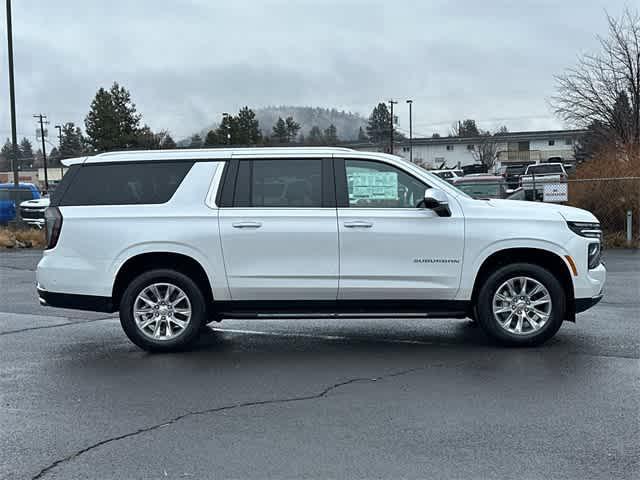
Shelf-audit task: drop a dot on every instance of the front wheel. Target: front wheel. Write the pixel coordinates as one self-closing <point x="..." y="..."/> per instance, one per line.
<point x="163" y="310"/>
<point x="521" y="305"/>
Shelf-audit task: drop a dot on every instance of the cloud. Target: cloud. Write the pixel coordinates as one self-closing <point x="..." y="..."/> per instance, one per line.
<point x="187" y="62"/>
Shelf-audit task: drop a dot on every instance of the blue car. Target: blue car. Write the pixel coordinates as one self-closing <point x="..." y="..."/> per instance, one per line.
<point x="27" y="191"/>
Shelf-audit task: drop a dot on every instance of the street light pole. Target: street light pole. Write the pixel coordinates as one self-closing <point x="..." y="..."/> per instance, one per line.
<point x="12" y="101"/>
<point x="392" y="102"/>
<point x="228" y="117"/>
<point x="410" y="102"/>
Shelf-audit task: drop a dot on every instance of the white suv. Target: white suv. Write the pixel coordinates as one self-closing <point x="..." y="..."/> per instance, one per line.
<point x="175" y="239"/>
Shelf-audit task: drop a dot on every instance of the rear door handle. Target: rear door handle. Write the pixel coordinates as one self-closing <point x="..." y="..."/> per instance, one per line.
<point x="247" y="225"/>
<point x="358" y="224"/>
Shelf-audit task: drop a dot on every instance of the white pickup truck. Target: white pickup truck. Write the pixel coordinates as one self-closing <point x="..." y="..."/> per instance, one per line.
<point x="536" y="175"/>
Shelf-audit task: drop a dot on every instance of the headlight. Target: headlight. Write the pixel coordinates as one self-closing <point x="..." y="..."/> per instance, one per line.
<point x="586" y="229"/>
<point x="593" y="255"/>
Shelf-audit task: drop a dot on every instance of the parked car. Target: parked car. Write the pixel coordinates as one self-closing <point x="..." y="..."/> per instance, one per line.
<point x="474" y="168"/>
<point x="32" y="211"/>
<point x="448" y="175"/>
<point x="174" y="239"/>
<point x="482" y="186"/>
<point x="512" y="174"/>
<point x="26" y="191"/>
<point x="535" y="176"/>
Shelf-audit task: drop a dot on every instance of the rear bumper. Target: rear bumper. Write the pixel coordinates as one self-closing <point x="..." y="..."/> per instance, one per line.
<point x="583" y="304"/>
<point x="75" y="302"/>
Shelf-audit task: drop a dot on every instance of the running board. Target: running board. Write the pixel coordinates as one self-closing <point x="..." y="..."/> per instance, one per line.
<point x="302" y="309"/>
<point x="304" y="316"/>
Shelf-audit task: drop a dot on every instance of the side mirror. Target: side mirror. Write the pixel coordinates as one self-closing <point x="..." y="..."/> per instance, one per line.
<point x="437" y="200"/>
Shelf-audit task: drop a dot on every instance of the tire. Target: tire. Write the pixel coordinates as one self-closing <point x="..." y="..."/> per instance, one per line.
<point x="163" y="332"/>
<point x="535" y="329"/>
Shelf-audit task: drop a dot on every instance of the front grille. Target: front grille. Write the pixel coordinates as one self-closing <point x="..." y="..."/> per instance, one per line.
<point x="32" y="213"/>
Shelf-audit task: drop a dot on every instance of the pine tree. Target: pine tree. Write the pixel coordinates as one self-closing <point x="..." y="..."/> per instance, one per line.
<point x="6" y="154"/>
<point x="379" y="126"/>
<point x="227" y="131"/>
<point x="112" y="121"/>
<point x="331" y="135"/>
<point x="292" y="129"/>
<point x="247" y="128"/>
<point x="280" y="132"/>
<point x="168" y="143"/>
<point x="26" y="154"/>
<point x="211" y="140"/>
<point x="315" y="136"/>
<point x="196" y="141"/>
<point x="466" y="128"/>
<point x="72" y="142"/>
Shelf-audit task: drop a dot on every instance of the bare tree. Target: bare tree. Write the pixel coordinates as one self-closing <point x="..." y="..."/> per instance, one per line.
<point x="486" y="152"/>
<point x="604" y="88"/>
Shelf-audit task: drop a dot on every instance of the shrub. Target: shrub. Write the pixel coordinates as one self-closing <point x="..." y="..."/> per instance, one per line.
<point x="593" y="189"/>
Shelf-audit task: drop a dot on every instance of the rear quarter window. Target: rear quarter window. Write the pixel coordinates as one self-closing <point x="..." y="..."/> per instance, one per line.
<point x="118" y="183"/>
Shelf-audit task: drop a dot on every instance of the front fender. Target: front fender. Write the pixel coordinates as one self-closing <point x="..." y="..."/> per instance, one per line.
<point x="477" y="257"/>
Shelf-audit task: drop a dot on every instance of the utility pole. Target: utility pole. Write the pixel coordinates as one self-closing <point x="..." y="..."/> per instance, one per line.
<point x="42" y="119"/>
<point x="410" y="102"/>
<point x="12" y="101"/>
<point x="59" y="127"/>
<point x="392" y="102"/>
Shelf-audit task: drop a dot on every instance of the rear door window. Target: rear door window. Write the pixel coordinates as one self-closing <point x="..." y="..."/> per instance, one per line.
<point x="279" y="183"/>
<point x="117" y="183"/>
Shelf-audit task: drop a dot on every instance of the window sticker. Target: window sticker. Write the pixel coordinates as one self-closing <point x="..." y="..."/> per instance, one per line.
<point x="371" y="185"/>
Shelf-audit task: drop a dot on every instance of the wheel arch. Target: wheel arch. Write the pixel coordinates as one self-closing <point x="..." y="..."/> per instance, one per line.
<point x="137" y="264"/>
<point x="537" y="256"/>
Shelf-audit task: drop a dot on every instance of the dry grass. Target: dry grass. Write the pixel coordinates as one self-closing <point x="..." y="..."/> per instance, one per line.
<point x="21" y="238"/>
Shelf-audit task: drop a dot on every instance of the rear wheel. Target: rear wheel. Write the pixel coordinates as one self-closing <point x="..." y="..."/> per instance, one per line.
<point x="163" y="310"/>
<point x="521" y="304"/>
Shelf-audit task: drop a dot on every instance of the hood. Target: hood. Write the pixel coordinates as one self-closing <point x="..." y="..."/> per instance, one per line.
<point x="37" y="203"/>
<point x="570" y="214"/>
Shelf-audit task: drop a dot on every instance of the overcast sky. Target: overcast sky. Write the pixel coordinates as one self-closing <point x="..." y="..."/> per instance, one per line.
<point x="489" y="60"/>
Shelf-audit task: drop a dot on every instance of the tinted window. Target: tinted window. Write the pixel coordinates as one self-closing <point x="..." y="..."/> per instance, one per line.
<point x="279" y="183"/>
<point x="543" y="169"/>
<point x="125" y="183"/>
<point x="379" y="185"/>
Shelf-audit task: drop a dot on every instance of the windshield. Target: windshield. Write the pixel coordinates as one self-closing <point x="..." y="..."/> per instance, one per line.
<point x="544" y="169"/>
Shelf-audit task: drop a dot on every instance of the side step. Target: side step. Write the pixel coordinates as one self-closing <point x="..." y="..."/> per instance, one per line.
<point x="305" y="316"/>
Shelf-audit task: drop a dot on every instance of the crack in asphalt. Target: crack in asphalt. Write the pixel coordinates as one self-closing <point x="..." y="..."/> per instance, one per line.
<point x="42" y="327"/>
<point x="321" y="394"/>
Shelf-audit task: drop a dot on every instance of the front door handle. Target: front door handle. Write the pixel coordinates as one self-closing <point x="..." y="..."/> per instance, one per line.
<point x="247" y="225"/>
<point x="358" y="224"/>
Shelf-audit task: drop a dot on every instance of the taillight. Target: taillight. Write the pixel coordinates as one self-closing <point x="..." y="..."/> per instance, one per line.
<point x="53" y="225"/>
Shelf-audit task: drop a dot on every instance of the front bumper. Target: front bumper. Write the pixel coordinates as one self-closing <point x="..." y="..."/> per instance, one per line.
<point x="583" y="304"/>
<point x="34" y="222"/>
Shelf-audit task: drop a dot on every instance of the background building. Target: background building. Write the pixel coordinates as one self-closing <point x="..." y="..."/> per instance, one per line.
<point x="506" y="148"/>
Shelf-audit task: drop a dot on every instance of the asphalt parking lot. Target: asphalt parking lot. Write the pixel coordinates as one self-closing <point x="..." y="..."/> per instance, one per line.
<point x="318" y="399"/>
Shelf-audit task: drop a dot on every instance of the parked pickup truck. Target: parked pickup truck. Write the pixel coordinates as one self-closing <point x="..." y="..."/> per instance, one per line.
<point x="535" y="176"/>
<point x="175" y="239"/>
